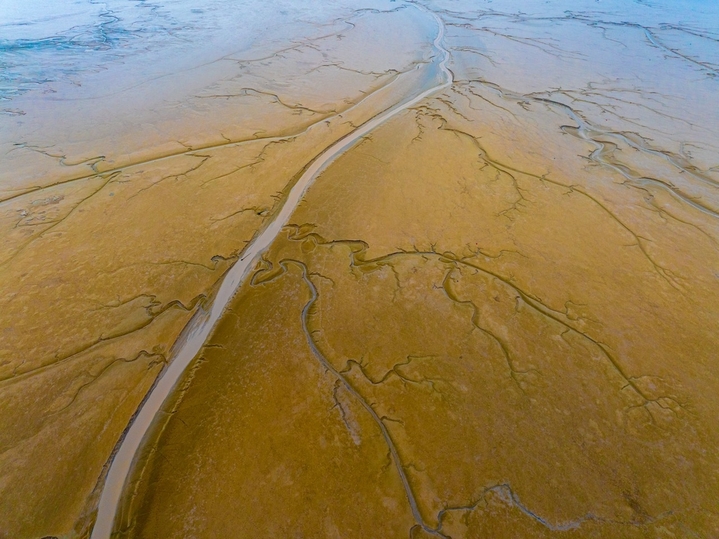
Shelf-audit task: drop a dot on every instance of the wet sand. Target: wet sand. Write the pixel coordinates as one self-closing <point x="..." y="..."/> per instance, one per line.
<point x="493" y="313"/>
<point x="196" y="333"/>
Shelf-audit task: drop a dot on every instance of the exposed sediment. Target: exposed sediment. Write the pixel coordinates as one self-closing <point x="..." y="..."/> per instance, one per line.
<point x="494" y="315"/>
<point x="196" y="333"/>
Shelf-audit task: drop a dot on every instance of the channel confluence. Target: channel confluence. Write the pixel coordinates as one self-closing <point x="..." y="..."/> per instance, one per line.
<point x="201" y="326"/>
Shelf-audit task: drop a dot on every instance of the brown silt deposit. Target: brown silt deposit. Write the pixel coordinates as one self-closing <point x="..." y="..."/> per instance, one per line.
<point x="397" y="269"/>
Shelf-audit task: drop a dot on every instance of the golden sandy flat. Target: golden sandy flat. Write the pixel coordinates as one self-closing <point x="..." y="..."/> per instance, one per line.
<point x="493" y="315"/>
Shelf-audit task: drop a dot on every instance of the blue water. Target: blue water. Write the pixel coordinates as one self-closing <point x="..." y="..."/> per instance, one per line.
<point x="42" y="42"/>
<point x="55" y="41"/>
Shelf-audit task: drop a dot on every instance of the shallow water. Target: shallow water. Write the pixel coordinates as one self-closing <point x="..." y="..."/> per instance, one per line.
<point x="493" y="312"/>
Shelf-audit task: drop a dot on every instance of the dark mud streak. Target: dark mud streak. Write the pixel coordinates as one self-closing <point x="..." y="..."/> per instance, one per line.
<point x="153" y="315"/>
<point x="187" y="150"/>
<point x="504" y="490"/>
<point x="504" y="348"/>
<point x="357" y="260"/>
<point x="203" y="160"/>
<point x="649" y="32"/>
<point x="309" y="43"/>
<point x="196" y="332"/>
<point x="590" y="133"/>
<point x="393" y="371"/>
<point x="375" y="417"/>
<point x="56" y="223"/>
<point x="155" y="358"/>
<point x="663" y="272"/>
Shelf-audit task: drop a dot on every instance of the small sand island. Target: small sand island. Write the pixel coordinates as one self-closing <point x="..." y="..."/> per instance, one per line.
<point x="387" y="269"/>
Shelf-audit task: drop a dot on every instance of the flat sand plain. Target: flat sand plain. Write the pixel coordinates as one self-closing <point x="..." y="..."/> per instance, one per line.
<point x="496" y="315"/>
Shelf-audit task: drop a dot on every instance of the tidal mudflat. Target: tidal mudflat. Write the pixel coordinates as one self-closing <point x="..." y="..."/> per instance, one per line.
<point x="377" y="269"/>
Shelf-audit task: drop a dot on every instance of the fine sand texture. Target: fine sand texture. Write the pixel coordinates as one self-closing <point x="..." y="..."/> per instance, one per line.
<point x="397" y="269"/>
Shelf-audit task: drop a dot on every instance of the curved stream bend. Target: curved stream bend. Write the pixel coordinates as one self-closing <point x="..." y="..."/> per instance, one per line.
<point x="196" y="337"/>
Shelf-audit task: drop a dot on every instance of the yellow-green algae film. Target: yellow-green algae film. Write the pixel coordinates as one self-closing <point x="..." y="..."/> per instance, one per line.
<point x="490" y="310"/>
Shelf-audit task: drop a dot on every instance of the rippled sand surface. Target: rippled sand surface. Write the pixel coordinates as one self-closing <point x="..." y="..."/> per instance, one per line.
<point x="496" y="314"/>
